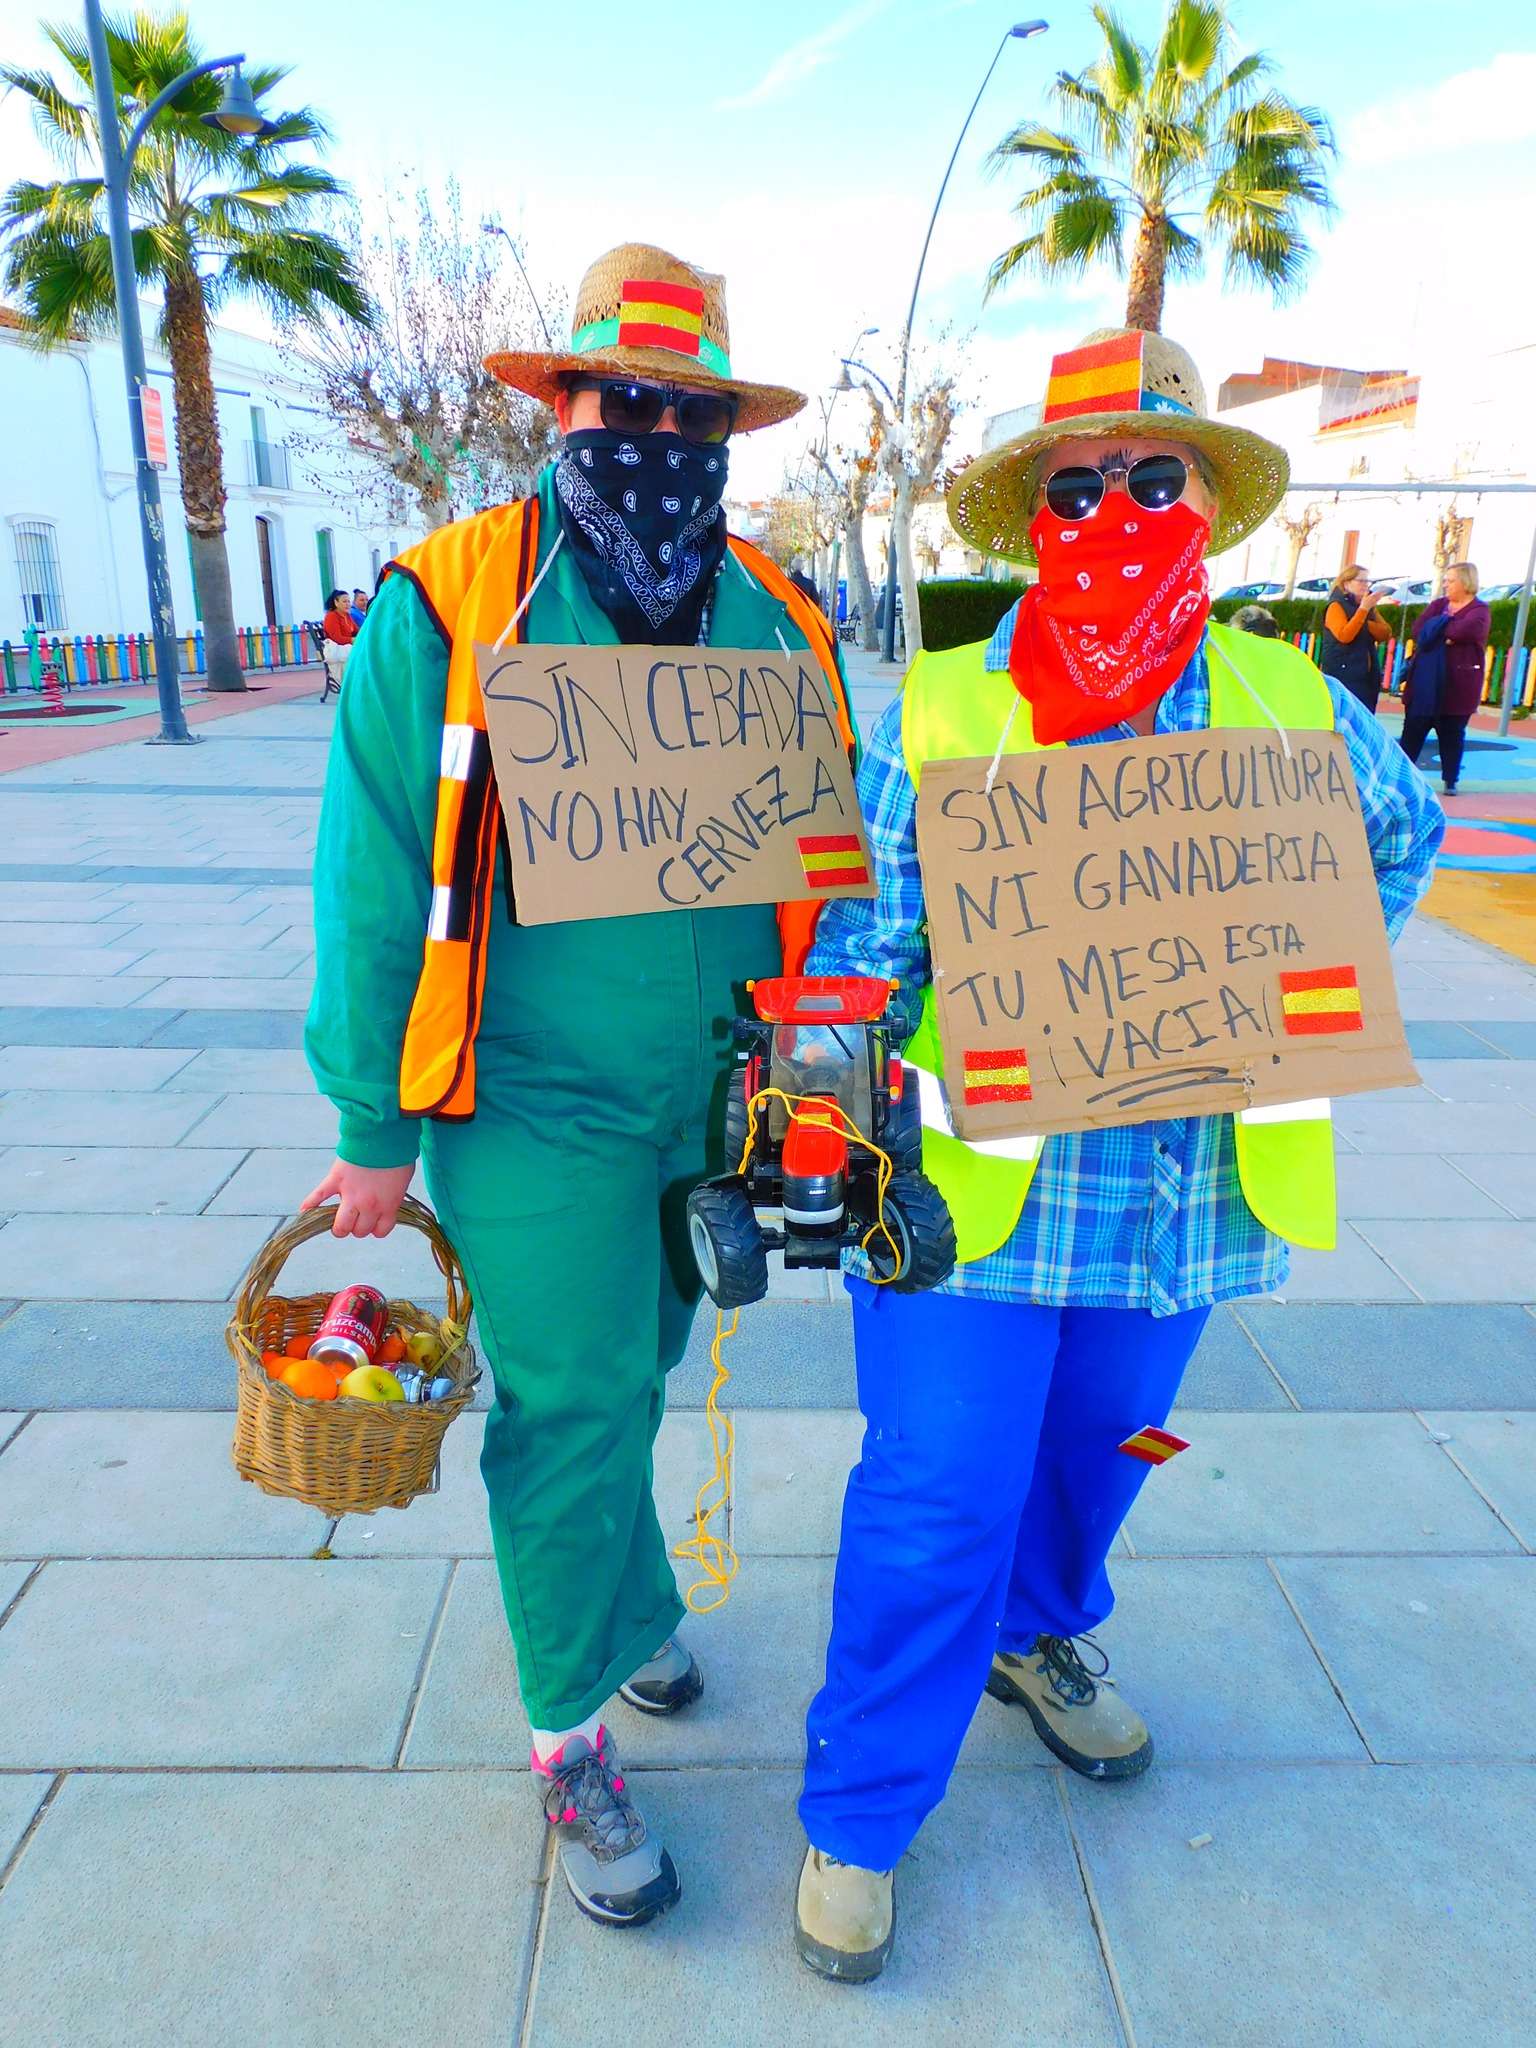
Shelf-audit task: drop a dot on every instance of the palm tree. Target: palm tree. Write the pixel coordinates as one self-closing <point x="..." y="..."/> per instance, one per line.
<point x="1165" y="153"/>
<point x="215" y="217"/>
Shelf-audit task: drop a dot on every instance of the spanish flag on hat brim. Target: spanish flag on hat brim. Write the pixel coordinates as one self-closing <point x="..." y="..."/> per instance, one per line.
<point x="1315" y="1000"/>
<point x="1154" y="1446"/>
<point x="998" y="1076"/>
<point x="833" y="860"/>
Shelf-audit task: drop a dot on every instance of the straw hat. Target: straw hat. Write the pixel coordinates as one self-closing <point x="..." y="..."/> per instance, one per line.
<point x="642" y="313"/>
<point x="1119" y="380"/>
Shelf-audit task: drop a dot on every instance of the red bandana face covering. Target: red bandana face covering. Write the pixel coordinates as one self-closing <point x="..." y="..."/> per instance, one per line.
<point x="1118" y="611"/>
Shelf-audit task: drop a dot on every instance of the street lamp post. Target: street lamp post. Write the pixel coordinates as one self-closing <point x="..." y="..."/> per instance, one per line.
<point x="1021" y="31"/>
<point x="494" y="227"/>
<point x="239" y="114"/>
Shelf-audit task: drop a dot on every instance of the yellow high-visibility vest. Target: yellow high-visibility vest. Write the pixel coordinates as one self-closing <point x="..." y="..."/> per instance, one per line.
<point x="955" y="708"/>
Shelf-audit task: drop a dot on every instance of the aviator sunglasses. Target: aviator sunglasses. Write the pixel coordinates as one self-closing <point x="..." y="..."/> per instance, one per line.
<point x="1154" y="482"/>
<point x="704" y="418"/>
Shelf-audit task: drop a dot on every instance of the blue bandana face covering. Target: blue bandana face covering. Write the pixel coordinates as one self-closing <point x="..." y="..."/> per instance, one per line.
<point x="643" y="518"/>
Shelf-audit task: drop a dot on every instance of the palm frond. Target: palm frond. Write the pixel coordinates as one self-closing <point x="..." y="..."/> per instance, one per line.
<point x="1039" y="144"/>
<point x="297" y="276"/>
<point x="1191" y="42"/>
<point x="1121" y="72"/>
<point x="1079" y="220"/>
<point x="63" y="127"/>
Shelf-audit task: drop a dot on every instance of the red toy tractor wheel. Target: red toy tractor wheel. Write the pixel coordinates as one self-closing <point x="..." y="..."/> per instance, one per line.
<point x="918" y="1218"/>
<point x="727" y="1243"/>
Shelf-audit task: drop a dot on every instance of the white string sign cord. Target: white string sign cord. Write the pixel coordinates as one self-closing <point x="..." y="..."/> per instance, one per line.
<point x="506" y="631"/>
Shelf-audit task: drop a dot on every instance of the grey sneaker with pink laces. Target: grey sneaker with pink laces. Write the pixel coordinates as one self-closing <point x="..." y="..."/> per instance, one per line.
<point x="617" y="1871"/>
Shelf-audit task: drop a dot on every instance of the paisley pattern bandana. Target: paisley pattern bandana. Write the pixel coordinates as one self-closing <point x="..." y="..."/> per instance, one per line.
<point x="644" y="520"/>
<point x="1119" y="609"/>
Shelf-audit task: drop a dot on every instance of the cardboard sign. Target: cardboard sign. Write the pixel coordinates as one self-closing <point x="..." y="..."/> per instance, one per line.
<point x="1154" y="927"/>
<point x="669" y="778"/>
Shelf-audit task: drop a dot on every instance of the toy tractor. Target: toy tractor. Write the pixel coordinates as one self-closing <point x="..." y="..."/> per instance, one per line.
<point x="800" y="1180"/>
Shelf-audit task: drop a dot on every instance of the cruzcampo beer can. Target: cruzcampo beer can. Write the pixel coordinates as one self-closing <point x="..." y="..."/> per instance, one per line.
<point x="352" y="1328"/>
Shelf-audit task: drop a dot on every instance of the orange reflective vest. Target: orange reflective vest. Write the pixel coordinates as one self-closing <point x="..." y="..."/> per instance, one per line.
<point x="472" y="576"/>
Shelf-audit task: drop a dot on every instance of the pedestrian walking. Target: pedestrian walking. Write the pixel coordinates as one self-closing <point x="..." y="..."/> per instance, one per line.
<point x="559" y="1080"/>
<point x="1353" y="631"/>
<point x="1446" y="675"/>
<point x="992" y="1480"/>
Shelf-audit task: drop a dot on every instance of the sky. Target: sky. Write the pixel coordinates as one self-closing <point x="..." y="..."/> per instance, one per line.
<point x="798" y="149"/>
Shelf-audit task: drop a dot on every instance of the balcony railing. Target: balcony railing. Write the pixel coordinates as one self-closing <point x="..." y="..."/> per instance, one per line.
<point x="267" y="466"/>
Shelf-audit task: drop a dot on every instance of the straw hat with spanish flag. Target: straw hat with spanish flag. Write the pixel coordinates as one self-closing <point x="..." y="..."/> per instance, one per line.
<point x="1120" y="380"/>
<point x="640" y="312"/>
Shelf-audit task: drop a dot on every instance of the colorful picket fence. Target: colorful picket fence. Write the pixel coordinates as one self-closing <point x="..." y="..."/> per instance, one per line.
<point x="1395" y="658"/>
<point x="84" y="659"/>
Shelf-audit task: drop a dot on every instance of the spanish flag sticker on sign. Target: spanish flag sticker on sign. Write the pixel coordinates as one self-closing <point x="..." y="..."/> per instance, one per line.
<point x="1154" y="1446"/>
<point x="832" y="860"/>
<point x="1315" y="1000"/>
<point x="998" y="1076"/>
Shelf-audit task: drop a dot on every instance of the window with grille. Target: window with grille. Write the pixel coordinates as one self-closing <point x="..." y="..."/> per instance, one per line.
<point x="37" y="569"/>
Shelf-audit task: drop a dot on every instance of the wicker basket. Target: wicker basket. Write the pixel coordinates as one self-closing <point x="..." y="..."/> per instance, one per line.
<point x="344" y="1457"/>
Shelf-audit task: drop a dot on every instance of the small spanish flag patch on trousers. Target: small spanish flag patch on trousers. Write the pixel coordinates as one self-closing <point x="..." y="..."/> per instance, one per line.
<point x="998" y="1076"/>
<point x="833" y="860"/>
<point x="1315" y="1000"/>
<point x="1154" y="1446"/>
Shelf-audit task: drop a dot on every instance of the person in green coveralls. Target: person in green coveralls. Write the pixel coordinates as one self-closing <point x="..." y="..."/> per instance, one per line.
<point x="561" y="1169"/>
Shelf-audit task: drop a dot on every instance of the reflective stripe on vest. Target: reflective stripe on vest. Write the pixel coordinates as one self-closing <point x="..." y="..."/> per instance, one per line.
<point x="473" y="576"/>
<point x="954" y="708"/>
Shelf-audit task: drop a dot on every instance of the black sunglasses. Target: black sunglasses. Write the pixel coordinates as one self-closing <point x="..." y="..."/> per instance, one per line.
<point x="704" y="418"/>
<point x="1154" y="482"/>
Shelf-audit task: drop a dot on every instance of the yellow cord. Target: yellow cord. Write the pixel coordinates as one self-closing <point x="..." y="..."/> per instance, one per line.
<point x="713" y="1554"/>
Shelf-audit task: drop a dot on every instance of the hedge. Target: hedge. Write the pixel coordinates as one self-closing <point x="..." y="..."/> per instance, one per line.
<point x="960" y="609"/>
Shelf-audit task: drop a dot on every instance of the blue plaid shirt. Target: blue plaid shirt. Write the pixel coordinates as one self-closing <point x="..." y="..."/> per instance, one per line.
<point x="1146" y="1215"/>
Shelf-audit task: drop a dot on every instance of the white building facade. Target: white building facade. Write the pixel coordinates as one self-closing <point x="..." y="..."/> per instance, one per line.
<point x="306" y="512"/>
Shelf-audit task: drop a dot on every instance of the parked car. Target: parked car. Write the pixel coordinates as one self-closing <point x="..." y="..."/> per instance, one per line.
<point x="1404" y="589"/>
<point x="1500" y="593"/>
<point x="1315" y="586"/>
<point x="1248" y="593"/>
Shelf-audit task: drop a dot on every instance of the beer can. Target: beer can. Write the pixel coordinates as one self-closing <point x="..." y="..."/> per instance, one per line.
<point x="353" y="1327"/>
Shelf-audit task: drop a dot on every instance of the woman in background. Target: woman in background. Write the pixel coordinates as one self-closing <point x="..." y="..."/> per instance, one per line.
<point x="1353" y="631"/>
<point x="1444" y="685"/>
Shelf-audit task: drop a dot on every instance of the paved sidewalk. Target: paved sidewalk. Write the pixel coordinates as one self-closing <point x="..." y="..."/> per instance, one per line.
<point x="249" y="1797"/>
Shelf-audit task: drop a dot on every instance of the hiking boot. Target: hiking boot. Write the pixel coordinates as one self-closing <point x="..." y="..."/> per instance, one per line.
<point x="619" y="1874"/>
<point x="1077" y="1713"/>
<point x="667" y="1683"/>
<point x="845" y="1919"/>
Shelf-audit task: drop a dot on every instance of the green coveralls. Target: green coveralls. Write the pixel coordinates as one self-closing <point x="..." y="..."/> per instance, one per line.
<point x="602" y="1057"/>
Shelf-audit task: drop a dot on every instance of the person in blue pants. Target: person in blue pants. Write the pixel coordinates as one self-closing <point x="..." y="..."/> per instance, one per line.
<point x="1006" y="1411"/>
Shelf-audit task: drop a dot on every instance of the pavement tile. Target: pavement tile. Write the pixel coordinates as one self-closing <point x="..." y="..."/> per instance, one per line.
<point x="129" y="1258"/>
<point x="1392" y="1630"/>
<point x="453" y="1522"/>
<point x="79" y="991"/>
<point x="1510" y="1181"/>
<point x="270" y="1909"/>
<point x="1390" y="1127"/>
<point x="135" y="1180"/>
<point x="19" y="1800"/>
<point x="1351" y="1272"/>
<point x="244" y="1070"/>
<point x="71" y="1116"/>
<point x="1276" y="1484"/>
<point x="1227" y="1372"/>
<point x="791" y="1469"/>
<point x="62" y="932"/>
<point x="27" y="963"/>
<point x="1359" y="1906"/>
<point x="1270" y="1703"/>
<point x="203" y="992"/>
<point x="1516" y="1041"/>
<point x="1413" y="1185"/>
<point x="269" y="1183"/>
<point x="972" y="1929"/>
<point x="1352" y="1355"/>
<point x="222" y="965"/>
<point x="1474" y="1080"/>
<point x="74" y="1026"/>
<point x="1461" y="1261"/>
<point x="786" y="1354"/>
<point x="186" y="1662"/>
<point x="12" y="1576"/>
<point x="1498" y="1452"/>
<point x="275" y="1030"/>
<point x="116" y="1354"/>
<point x="111" y="1483"/>
<point x="296" y="1120"/>
<point x="121" y="1070"/>
<point x="220" y="936"/>
<point x="401" y="1265"/>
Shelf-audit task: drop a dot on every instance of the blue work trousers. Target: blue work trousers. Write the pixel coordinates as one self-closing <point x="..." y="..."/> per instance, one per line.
<point x="979" y="1516"/>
